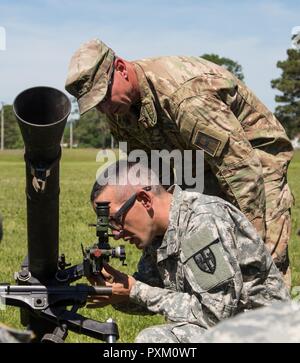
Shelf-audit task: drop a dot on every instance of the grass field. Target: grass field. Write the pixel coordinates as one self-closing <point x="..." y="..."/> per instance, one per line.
<point x="78" y="170"/>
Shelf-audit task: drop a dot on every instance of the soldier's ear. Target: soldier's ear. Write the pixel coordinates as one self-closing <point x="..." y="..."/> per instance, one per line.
<point x="145" y="199"/>
<point x="121" y="68"/>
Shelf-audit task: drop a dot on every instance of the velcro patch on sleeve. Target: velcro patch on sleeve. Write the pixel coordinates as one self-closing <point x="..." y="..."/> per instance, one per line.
<point x="212" y="143"/>
<point x="204" y="256"/>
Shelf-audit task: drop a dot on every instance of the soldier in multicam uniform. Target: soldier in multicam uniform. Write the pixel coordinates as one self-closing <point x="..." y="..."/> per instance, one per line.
<point x="202" y="260"/>
<point x="278" y="323"/>
<point x="190" y="103"/>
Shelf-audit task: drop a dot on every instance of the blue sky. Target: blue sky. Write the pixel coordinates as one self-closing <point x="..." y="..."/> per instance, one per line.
<point x="41" y="36"/>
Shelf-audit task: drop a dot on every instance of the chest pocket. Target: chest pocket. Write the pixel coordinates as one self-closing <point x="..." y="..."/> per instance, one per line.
<point x="203" y="255"/>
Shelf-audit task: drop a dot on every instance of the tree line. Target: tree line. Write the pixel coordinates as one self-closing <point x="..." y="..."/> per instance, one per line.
<point x="91" y="129"/>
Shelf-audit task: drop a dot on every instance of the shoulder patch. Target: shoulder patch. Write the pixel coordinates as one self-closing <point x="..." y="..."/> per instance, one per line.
<point x="203" y="255"/>
<point x="148" y="113"/>
<point x="210" y="142"/>
<point x="206" y="260"/>
<point x="206" y="143"/>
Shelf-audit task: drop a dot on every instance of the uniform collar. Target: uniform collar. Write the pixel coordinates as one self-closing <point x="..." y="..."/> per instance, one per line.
<point x="170" y="243"/>
<point x="148" y="115"/>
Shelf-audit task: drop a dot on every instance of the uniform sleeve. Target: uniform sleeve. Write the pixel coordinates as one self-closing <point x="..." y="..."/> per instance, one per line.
<point x="175" y="306"/>
<point x="208" y="124"/>
<point x="208" y="297"/>
<point x="147" y="270"/>
<point x="224" y="273"/>
<point x="148" y="273"/>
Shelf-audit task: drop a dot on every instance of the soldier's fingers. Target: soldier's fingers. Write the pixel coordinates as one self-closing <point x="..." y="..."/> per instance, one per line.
<point x="110" y="270"/>
<point x="96" y="281"/>
<point x="106" y="274"/>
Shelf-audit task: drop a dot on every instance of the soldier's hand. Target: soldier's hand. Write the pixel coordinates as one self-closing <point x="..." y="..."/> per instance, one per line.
<point x="120" y="283"/>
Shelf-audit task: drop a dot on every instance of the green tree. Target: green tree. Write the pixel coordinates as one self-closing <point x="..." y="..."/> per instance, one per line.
<point x="288" y="112"/>
<point x="92" y="130"/>
<point x="12" y="134"/>
<point x="228" y="63"/>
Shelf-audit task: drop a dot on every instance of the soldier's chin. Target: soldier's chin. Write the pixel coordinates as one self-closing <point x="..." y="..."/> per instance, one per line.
<point x="138" y="243"/>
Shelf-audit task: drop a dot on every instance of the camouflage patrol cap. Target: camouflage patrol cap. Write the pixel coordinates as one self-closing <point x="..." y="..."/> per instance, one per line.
<point x="89" y="72"/>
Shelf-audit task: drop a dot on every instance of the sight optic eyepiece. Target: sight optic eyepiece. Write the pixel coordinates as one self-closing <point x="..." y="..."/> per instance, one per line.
<point x="102" y="211"/>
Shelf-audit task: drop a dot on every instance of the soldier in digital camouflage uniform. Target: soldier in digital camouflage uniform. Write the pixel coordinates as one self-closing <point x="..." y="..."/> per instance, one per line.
<point x="190" y="103"/>
<point x="202" y="260"/>
<point x="278" y="323"/>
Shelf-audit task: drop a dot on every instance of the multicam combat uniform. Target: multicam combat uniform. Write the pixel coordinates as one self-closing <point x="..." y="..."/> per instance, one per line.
<point x="210" y="265"/>
<point x="191" y="103"/>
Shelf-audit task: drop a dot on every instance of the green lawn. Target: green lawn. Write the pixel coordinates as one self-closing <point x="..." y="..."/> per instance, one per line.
<point x="78" y="170"/>
<point x="294" y="181"/>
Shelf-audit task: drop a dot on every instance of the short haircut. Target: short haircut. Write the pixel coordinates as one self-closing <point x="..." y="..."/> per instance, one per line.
<point x="123" y="174"/>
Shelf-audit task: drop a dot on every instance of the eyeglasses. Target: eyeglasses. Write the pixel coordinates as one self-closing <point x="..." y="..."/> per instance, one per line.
<point x="117" y="220"/>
